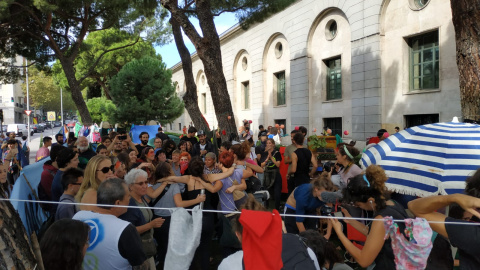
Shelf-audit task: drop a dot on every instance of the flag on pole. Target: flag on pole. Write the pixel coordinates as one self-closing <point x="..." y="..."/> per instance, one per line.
<point x="64" y="132"/>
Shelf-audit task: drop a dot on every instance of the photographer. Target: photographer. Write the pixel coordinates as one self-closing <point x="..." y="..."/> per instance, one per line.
<point x="368" y="192"/>
<point x="346" y="156"/>
<point x="116" y="147"/>
<point x="304" y="200"/>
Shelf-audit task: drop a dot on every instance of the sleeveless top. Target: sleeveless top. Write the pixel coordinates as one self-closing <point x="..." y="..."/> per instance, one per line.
<point x="301" y="175"/>
<point x="192" y="194"/>
<point x="385" y="258"/>
<point x="105" y="232"/>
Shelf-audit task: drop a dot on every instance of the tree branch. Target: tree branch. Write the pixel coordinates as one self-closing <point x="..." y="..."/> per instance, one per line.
<point x="228" y="10"/>
<point x="92" y="68"/>
<point x="185" y="23"/>
<point x="23" y="66"/>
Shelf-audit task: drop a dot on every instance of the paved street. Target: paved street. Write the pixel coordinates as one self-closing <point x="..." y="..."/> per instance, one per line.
<point x="35" y="141"/>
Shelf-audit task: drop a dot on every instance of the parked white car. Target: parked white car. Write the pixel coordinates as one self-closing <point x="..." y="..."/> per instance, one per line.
<point x="19" y="129"/>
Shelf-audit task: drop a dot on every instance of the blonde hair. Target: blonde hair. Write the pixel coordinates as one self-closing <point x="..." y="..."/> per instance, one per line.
<point x="90" y="176"/>
<point x="322" y="181"/>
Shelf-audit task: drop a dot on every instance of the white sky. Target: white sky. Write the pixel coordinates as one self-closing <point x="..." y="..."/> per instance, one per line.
<point x="169" y="52"/>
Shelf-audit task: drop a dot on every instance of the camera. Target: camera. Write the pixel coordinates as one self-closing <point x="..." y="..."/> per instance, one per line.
<point x="327" y="167"/>
<point x="122" y="137"/>
<point x="328" y="210"/>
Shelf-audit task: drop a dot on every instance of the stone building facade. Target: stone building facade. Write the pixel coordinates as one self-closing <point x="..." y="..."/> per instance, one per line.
<point x="351" y="65"/>
<point x="12" y="99"/>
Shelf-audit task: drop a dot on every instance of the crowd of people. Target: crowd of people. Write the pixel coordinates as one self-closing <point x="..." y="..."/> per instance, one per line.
<point x="95" y="229"/>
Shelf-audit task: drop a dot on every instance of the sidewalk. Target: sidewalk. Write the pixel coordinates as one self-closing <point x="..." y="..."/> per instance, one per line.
<point x="35" y="143"/>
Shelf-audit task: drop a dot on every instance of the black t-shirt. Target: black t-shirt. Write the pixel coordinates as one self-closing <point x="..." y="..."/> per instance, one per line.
<point x="467" y="239"/>
<point x="193" y="140"/>
<point x="301" y="175"/>
<point x="385" y="258"/>
<point x="276" y="154"/>
<point x="130" y="246"/>
<point x="140" y="148"/>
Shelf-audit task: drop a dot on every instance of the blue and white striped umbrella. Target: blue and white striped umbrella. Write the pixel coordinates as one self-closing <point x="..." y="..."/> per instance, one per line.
<point x="429" y="159"/>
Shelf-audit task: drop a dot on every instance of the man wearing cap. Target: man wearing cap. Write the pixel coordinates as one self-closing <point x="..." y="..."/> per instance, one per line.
<point x="161" y="135"/>
<point x="203" y="146"/>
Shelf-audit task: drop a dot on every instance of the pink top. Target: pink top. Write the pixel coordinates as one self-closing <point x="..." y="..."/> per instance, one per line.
<point x="42" y="152"/>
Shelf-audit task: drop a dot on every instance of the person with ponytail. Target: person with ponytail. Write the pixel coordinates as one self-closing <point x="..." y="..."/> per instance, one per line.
<point x="347" y="156"/>
<point x="368" y="192"/>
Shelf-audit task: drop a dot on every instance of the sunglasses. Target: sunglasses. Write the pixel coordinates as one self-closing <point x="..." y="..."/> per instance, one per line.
<point x="76" y="184"/>
<point x="107" y="169"/>
<point x="142" y="183"/>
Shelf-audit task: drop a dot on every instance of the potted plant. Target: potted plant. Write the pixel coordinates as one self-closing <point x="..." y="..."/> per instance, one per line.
<point x="316" y="144"/>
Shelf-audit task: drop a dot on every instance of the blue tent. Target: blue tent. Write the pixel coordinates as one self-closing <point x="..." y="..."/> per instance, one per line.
<point x="31" y="214"/>
<point x="136" y="130"/>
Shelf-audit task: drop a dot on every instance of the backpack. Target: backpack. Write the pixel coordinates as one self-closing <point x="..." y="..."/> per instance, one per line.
<point x="294" y="253"/>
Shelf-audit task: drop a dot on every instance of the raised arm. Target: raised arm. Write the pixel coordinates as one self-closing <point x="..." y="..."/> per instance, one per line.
<point x="426" y="207"/>
<point x="131" y="144"/>
<point x="362" y="228"/>
<point x="219" y="176"/>
<point x="212" y="188"/>
<point x="177" y="179"/>
<point x="254" y="167"/>
<point x="154" y="193"/>
<point x="110" y="147"/>
<point x="375" y="240"/>
<point x="247" y="173"/>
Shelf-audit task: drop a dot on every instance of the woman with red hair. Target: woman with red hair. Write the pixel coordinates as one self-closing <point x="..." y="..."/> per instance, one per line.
<point x="184" y="160"/>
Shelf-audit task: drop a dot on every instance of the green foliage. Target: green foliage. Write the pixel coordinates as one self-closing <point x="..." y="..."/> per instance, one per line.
<point x="316" y="142"/>
<point x="249" y="12"/>
<point x="95" y="45"/>
<point x="143" y="91"/>
<point x="101" y="109"/>
<point x="44" y="93"/>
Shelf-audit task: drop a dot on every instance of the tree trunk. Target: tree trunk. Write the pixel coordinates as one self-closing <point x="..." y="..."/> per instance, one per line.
<point x="211" y="55"/>
<point x="15" y="250"/>
<point x="466" y="21"/>
<point x="190" y="98"/>
<point x="208" y="49"/>
<point x="76" y="91"/>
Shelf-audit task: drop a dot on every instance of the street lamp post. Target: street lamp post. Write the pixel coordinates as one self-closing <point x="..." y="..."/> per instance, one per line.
<point x="28" y="107"/>
<point x="61" y="105"/>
